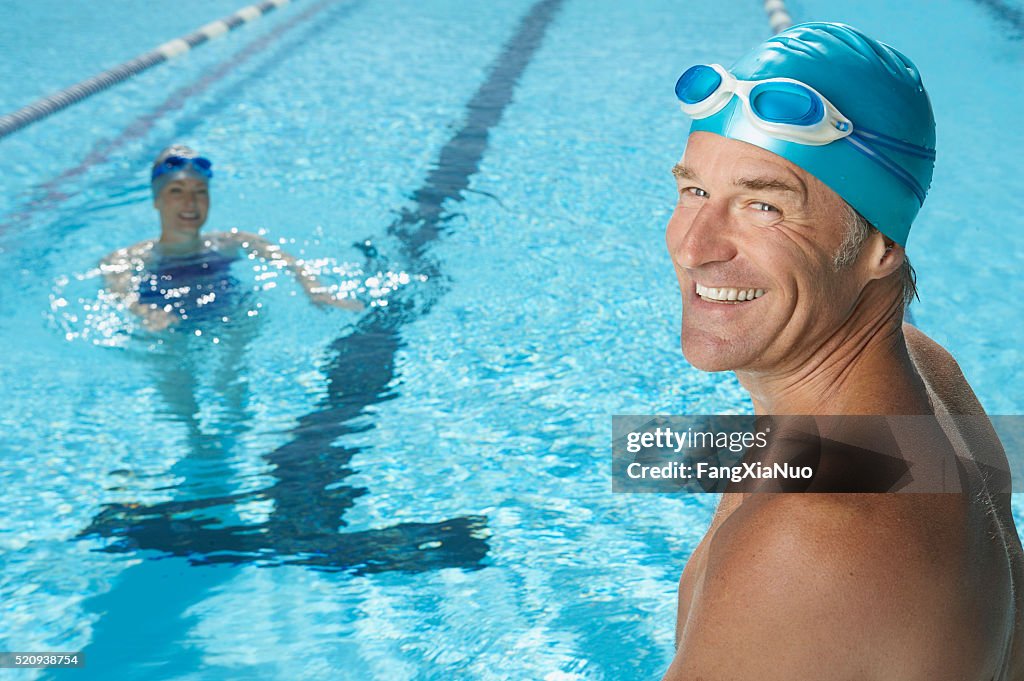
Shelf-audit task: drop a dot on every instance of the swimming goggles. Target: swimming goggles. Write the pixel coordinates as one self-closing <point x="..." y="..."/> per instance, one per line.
<point x="200" y="165"/>
<point x="790" y="111"/>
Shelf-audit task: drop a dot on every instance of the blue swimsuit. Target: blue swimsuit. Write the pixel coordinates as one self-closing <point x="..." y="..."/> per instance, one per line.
<point x="199" y="287"/>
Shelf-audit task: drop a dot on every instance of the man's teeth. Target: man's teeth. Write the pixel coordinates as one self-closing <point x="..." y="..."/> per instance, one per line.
<point x="729" y="294"/>
<point x="188" y="216"/>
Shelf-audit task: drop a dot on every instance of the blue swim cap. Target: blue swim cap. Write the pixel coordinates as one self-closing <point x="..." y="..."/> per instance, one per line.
<point x="876" y="87"/>
<point x="178" y="162"/>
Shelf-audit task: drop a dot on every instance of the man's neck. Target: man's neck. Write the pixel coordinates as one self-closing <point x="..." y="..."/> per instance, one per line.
<point x="862" y="369"/>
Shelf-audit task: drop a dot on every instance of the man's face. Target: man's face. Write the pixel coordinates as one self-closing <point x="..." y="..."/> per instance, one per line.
<point x="749" y="223"/>
<point x="183" y="205"/>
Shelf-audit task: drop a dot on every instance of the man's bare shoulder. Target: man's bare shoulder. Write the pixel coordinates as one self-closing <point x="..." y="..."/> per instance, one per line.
<point x="941" y="373"/>
<point x="818" y="586"/>
<point x="856" y="537"/>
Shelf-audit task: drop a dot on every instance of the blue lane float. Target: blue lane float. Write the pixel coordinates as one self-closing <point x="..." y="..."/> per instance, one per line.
<point x="40" y="109"/>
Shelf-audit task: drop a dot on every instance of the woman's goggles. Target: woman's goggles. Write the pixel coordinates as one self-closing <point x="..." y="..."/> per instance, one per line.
<point x="200" y="165"/>
<point x="790" y="111"/>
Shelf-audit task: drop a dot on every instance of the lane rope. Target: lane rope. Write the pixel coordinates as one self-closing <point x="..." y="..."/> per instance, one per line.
<point x="62" y="99"/>
<point x="778" y="16"/>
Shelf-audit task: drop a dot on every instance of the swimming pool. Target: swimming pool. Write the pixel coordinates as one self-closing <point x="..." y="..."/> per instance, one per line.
<point x="421" y="490"/>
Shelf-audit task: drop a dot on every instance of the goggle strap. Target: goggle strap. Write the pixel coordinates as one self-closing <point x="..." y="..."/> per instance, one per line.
<point x="888" y="164"/>
<point x="895" y="144"/>
<point x="171" y="164"/>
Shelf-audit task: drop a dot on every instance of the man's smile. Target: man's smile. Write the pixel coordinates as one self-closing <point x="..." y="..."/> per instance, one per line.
<point x="728" y="294"/>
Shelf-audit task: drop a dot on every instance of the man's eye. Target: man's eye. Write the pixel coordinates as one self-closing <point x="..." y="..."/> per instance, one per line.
<point x="763" y="207"/>
<point x="694" y="191"/>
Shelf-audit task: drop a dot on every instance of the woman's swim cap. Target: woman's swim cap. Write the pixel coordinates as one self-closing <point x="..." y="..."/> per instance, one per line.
<point x="178" y="171"/>
<point x="872" y="84"/>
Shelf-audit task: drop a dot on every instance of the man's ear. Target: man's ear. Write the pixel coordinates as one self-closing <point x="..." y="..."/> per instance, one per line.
<point x="883" y="256"/>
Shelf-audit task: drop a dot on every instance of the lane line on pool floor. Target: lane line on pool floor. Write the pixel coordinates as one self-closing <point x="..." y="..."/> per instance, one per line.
<point x="1014" y="16"/>
<point x="308" y="501"/>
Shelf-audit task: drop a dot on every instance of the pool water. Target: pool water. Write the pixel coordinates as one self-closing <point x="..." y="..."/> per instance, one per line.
<point x="420" y="490"/>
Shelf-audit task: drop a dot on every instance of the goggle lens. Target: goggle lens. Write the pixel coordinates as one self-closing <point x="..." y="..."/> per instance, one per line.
<point x="697" y="83"/>
<point x="787" y="103"/>
<point x="173" y="163"/>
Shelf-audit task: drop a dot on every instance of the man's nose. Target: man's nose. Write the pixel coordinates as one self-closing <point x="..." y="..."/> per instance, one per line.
<point x="701" y="239"/>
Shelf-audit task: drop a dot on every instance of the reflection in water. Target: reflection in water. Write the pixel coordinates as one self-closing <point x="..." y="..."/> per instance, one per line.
<point x="308" y="500"/>
<point x="207" y="522"/>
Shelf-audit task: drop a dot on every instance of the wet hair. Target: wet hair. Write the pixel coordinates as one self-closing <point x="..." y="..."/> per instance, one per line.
<point x="858" y="229"/>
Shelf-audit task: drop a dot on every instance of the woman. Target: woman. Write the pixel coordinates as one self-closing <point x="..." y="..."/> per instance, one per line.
<point x="182" y="275"/>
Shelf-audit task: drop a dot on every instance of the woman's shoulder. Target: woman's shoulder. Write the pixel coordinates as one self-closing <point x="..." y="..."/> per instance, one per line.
<point x="233" y="240"/>
<point x="143" y="249"/>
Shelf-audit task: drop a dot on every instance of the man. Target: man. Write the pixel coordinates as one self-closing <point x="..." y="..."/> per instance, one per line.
<point x="182" y="275"/>
<point x="796" y="198"/>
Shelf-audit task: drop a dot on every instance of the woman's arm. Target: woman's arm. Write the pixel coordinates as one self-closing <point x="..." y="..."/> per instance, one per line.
<point x="318" y="293"/>
<point x="117" y="269"/>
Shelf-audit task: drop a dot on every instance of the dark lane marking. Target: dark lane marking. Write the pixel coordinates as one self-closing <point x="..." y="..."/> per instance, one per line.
<point x="1009" y="14"/>
<point x="308" y="501"/>
<point x="460" y="158"/>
